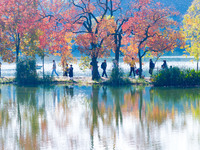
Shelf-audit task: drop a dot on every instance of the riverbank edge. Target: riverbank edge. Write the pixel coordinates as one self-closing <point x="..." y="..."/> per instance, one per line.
<point x="79" y="81"/>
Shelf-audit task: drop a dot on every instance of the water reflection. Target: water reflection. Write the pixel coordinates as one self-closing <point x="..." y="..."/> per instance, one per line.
<point x="98" y="117"/>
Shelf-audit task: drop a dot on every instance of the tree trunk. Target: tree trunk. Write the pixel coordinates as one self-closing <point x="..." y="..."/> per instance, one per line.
<point x="43" y="63"/>
<point x="141" y="102"/>
<point x="118" y="39"/>
<point x="17" y="54"/>
<point x="117" y="49"/>
<point x="140" y="63"/>
<point x="197" y="65"/>
<point x="95" y="72"/>
<point x="17" y="48"/>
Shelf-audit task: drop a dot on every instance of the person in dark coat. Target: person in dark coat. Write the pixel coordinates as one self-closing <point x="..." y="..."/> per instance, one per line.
<point x="151" y="67"/>
<point x="164" y="65"/>
<point x="71" y="72"/>
<point x="103" y="66"/>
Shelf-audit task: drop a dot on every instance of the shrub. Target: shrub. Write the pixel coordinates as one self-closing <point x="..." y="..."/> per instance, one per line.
<point x="26" y="71"/>
<point x="46" y="80"/>
<point x="116" y="77"/>
<point x="176" y="77"/>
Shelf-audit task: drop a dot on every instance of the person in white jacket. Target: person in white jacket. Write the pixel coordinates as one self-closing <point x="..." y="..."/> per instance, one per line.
<point x="54" y="68"/>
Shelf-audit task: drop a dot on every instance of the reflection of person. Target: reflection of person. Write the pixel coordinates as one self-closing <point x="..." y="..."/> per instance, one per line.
<point x="66" y="70"/>
<point x="104" y="95"/>
<point x="151" y="67"/>
<point x="164" y="65"/>
<point x="54" y="68"/>
<point x="54" y="96"/>
<point x="71" y="91"/>
<point x="103" y="66"/>
<point x="132" y="67"/>
<point x="71" y="72"/>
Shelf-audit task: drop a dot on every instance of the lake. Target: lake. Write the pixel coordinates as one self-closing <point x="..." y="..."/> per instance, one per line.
<point x="99" y="117"/>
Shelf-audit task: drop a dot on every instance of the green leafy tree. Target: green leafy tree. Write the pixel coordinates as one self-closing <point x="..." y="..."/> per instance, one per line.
<point x="191" y="30"/>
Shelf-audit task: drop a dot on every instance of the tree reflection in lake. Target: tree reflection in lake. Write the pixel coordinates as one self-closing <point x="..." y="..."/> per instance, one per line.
<point x="98" y="117"/>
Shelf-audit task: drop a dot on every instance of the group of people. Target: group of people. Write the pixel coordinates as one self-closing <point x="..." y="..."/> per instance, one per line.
<point x="69" y="70"/>
<point x="151" y="67"/>
<point x="66" y="71"/>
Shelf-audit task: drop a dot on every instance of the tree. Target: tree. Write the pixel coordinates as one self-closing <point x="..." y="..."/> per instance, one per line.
<point x="150" y="28"/>
<point x="191" y="30"/>
<point x="18" y="18"/>
<point x="55" y="29"/>
<point x="31" y="27"/>
<point x="95" y="33"/>
<point x="120" y="18"/>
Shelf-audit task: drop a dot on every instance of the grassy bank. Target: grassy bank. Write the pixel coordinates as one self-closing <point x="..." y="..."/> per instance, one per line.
<point x="76" y="80"/>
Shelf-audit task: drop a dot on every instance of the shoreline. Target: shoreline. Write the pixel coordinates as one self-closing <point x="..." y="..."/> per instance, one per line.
<point x="82" y="80"/>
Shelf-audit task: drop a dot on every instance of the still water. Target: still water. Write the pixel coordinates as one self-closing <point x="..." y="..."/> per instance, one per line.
<point x="99" y="118"/>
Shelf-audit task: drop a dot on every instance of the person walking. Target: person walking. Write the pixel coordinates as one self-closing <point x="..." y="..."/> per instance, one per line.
<point x="103" y="66"/>
<point x="132" y="67"/>
<point x="151" y="67"/>
<point x="54" y="68"/>
<point x="71" y="72"/>
<point x="164" y="65"/>
<point x="66" y="70"/>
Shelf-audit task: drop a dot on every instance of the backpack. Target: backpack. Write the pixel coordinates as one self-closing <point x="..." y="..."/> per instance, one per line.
<point x="153" y="65"/>
<point x="137" y="72"/>
<point x="102" y="66"/>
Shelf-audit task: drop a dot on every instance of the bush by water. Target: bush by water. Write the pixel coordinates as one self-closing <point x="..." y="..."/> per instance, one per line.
<point x="177" y="77"/>
<point x="26" y="71"/>
<point x="116" y="78"/>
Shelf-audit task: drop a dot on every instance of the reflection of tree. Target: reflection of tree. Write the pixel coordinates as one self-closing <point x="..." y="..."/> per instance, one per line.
<point x="157" y="110"/>
<point x="0" y="94"/>
<point x="95" y="111"/>
<point x="161" y="97"/>
<point x="99" y="119"/>
<point x="134" y="100"/>
<point x="104" y="94"/>
<point x="196" y="110"/>
<point x="175" y="94"/>
<point x="156" y="114"/>
<point x="141" y="102"/>
<point x="29" y="116"/>
<point x="117" y="95"/>
<point x="26" y="95"/>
